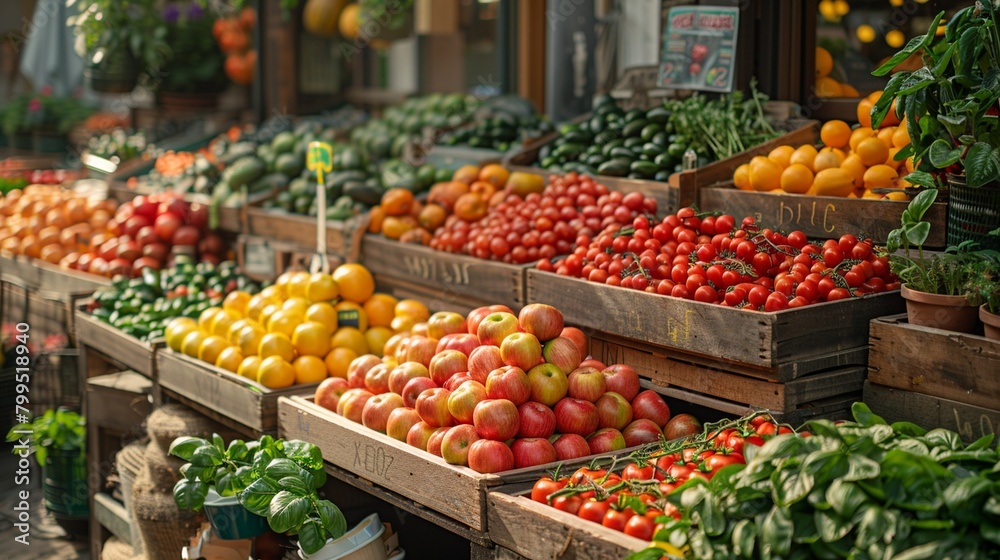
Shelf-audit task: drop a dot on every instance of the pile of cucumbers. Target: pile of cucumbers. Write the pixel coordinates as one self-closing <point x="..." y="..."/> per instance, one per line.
<point x="142" y="306"/>
<point x="401" y="124"/>
<point x="501" y="123"/>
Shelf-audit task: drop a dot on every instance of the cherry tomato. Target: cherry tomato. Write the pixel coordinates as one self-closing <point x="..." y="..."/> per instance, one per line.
<point x="569" y="504"/>
<point x="797" y="239"/>
<point x="545" y="487"/>
<point x="838" y="293"/>
<point x="616" y="519"/>
<point x="636" y="472"/>
<point x="847" y="242"/>
<point x="593" y="510"/>
<point x="640" y="527"/>
<point x="776" y="302"/>
<point x="720" y="460"/>
<point x="833" y="256"/>
<point x="766" y="429"/>
<point x="583" y="473"/>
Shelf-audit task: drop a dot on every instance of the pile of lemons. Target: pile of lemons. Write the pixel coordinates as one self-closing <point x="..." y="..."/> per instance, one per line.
<point x="303" y="329"/>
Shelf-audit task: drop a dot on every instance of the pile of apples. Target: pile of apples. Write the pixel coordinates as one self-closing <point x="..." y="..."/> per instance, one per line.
<point x="496" y="391"/>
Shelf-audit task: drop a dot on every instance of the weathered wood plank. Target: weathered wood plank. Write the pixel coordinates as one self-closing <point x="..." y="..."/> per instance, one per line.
<point x="945" y="364"/>
<point x="112" y="515"/>
<point x="120" y="347"/>
<point x="970" y="421"/>
<point x="343" y="238"/>
<point x="436" y="300"/>
<point x="489" y="282"/>
<point x="458" y="492"/>
<point x="541" y="532"/>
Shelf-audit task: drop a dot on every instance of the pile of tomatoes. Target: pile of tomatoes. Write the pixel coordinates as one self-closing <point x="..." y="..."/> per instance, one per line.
<point x="567" y="213"/>
<point x="707" y="258"/>
<point x="633" y="499"/>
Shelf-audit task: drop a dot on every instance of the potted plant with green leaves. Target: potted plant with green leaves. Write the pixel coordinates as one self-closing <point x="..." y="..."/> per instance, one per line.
<point x="932" y="285"/>
<point x="12" y="119"/>
<point x="58" y="439"/>
<point x="119" y="41"/>
<point x="983" y="290"/>
<point x="247" y="486"/>
<point x="193" y="74"/>
<point x="52" y="117"/>
<point x="951" y="107"/>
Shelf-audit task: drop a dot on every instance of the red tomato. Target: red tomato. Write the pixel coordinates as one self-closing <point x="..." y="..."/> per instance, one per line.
<point x="720" y="460"/>
<point x="593" y="510"/>
<point x="569" y="504"/>
<point x="636" y="472"/>
<point x="767" y="428"/>
<point x="545" y="487"/>
<point x="641" y="527"/>
<point x="583" y="473"/>
<point x="616" y="519"/>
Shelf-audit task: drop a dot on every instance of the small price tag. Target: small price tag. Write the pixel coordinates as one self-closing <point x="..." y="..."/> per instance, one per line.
<point x="319" y="159"/>
<point x="259" y="260"/>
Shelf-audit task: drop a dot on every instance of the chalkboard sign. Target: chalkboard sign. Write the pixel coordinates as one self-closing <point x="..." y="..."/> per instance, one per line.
<point x="699" y="48"/>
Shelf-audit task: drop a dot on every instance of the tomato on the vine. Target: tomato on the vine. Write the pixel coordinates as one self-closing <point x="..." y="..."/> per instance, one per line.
<point x="594" y="510"/>
<point x="641" y="526"/>
<point x="616" y="519"/>
<point x="545" y="487"/>
<point x="569" y="504"/>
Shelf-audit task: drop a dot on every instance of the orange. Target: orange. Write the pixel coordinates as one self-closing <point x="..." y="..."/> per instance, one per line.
<point x="494" y="174"/>
<point x="804" y="154"/>
<point x="835" y="134"/>
<point x="826" y="158"/>
<point x="847" y="90"/>
<point x="797" y="178"/>
<point x="852" y="164"/>
<point x="297" y="284"/>
<point x="828" y="87"/>
<point x="324" y="314"/>
<point x="295" y="306"/>
<point x="381" y="309"/>
<point x="311" y="339"/>
<point x="375" y="218"/>
<point x="355" y="282"/>
<point x="466" y="174"/>
<point x="309" y="369"/>
<point x="414" y="309"/>
<point x="273" y="293"/>
<point x="269" y="310"/>
<point x="192" y="342"/>
<point x="230" y="359"/>
<point x="765" y="175"/>
<point x="233" y="333"/>
<point x="892" y="161"/>
<point x="275" y="373"/>
<point x="222" y="321"/>
<point x="897" y="196"/>
<point x="376" y="338"/>
<point x="249" y="366"/>
<point x="865" y="112"/>
<point x="859" y="134"/>
<point x="237" y="303"/>
<point x="910" y="164"/>
<point x="350" y="314"/>
<point x="256" y="304"/>
<point x="206" y="319"/>
<point x="350" y="337"/>
<point x="338" y="360"/>
<point x="781" y="155"/>
<point x="432" y="216"/>
<point x="321" y="287"/>
<point x="872" y="151"/>
<point x="210" y="348"/>
<point x="177" y="329"/>
<point x="281" y="283"/>
<point x="833" y="182"/>
<point x="283" y="322"/>
<point x="274" y="344"/>
<point x="880" y="177"/>
<point x="249" y="339"/>
<point x="404" y="323"/>
<point x="901" y="137"/>
<point x="824" y="62"/>
<point x="741" y="177"/>
<point x="397" y="202"/>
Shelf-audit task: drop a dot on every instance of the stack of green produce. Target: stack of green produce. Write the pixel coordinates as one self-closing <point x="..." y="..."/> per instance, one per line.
<point x="862" y="490"/>
<point x="386" y="137"/>
<point x="502" y="123"/>
<point x="120" y="144"/>
<point x="651" y="144"/>
<point x="142" y="306"/>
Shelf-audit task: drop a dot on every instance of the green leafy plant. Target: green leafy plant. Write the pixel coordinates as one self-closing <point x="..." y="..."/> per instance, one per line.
<point x="864" y="490"/>
<point x="55" y="431"/>
<point x="390" y="14"/>
<point x="113" y="26"/>
<point x="195" y="63"/>
<point x="983" y="287"/>
<point x="951" y="103"/>
<point x="273" y="478"/>
<point x="12" y="115"/>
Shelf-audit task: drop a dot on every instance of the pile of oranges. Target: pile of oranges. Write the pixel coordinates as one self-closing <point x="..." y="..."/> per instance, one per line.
<point x="827" y="86"/>
<point x="851" y="162"/>
<point x="303" y="329"/>
<point x="47" y="222"/>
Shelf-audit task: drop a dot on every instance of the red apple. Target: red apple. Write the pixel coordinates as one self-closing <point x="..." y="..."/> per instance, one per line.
<point x="531" y="452"/>
<point x="548" y="384"/>
<point x="445" y="322"/>
<point x="623" y="380"/>
<point x="509" y="383"/>
<point x="613" y="411"/>
<point x="463" y="400"/>
<point x="562" y="352"/>
<point x="463" y="342"/>
<point x="134" y="224"/>
<point x="456" y="380"/>
<point x="130" y="251"/>
<point x="680" y="426"/>
<point x="543" y="321"/>
<point x="157" y="251"/>
<point x="587" y="383"/>
<point x="579" y="339"/>
<point x="483" y="360"/>
<point x="329" y="391"/>
<point x="419" y="434"/>
<point x="476" y="316"/>
<point x="434" y="442"/>
<point x="496" y="419"/>
<point x="120" y="267"/>
<point x="456" y="443"/>
<point x="606" y="440"/>
<point x="535" y="420"/>
<point x="414" y="387"/>
<point x="375" y="415"/>
<point x="402" y="347"/>
<point x="421" y="349"/>
<point x="419" y="329"/>
<point x="495" y="327"/>
<point x="594" y="363"/>
<point x="403" y="373"/>
<point x="489" y="456"/>
<point x="352" y="404"/>
<point x="576" y="416"/>
<point x="641" y="431"/>
<point x="432" y="405"/>
<point x="400" y="421"/>
<point x="166" y="227"/>
<point x="521" y="350"/>
<point x="571" y="446"/>
<point x="446" y="364"/>
<point x="649" y="404"/>
<point x="358" y="369"/>
<point x="377" y="379"/>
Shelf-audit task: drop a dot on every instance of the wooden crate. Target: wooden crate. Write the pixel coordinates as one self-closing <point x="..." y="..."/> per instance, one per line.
<point x="442" y="299"/>
<point x="969" y="421"/>
<point x="262" y="259"/>
<point x="233" y="400"/>
<point x="127" y="350"/>
<point x="40" y="276"/>
<point x="779" y="346"/>
<point x="488" y="282"/>
<point x="943" y="364"/>
<point x="230" y="218"/>
<point x="540" y="532"/>
<point x="343" y="238"/>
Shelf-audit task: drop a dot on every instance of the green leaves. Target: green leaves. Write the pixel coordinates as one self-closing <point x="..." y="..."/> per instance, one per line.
<point x="184" y="447"/>
<point x="258" y="495"/>
<point x="943" y="154"/>
<point x="912" y="231"/>
<point x="190" y="494"/>
<point x="863" y="415"/>
<point x="776" y="532"/>
<point x="332" y="519"/>
<point x="288" y="511"/>
<point x="982" y="164"/>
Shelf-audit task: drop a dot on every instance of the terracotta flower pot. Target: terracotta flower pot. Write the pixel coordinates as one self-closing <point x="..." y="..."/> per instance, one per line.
<point x="991" y="323"/>
<point x="950" y="313"/>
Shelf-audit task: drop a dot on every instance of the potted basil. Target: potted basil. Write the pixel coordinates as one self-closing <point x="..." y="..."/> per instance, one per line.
<point x="984" y="290"/>
<point x="951" y="106"/>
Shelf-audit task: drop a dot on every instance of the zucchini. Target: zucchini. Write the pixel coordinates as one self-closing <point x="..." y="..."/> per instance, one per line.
<point x="645" y="169"/>
<point x="243" y="171"/>
<point x="634" y="128"/>
<point x="617" y="167"/>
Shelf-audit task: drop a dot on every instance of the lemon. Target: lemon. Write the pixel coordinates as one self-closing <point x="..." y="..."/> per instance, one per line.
<point x="321" y="287"/>
<point x="376" y="338"/>
<point x="272" y="292"/>
<point x="324" y="314"/>
<point x="350" y="337"/>
<point x="275" y="372"/>
<point x="230" y="359"/>
<point x="207" y="317"/>
<point x="297" y="284"/>
<point x="256" y="304"/>
<point x="237" y="303"/>
<point x="296" y="305"/>
<point x="211" y="347"/>
<point x="311" y="339"/>
<point x="249" y="339"/>
<point x="283" y="322"/>
<point x="177" y="329"/>
<point x="249" y="366"/>
<point x="192" y="342"/>
<point x="276" y="344"/>
<point x="222" y="321"/>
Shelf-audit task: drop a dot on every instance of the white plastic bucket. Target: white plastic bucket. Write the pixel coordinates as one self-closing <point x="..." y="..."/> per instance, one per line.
<point x="363" y="542"/>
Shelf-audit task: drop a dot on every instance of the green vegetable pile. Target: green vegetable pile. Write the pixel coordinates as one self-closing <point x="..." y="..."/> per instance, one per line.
<point x="859" y="490"/>
<point x="120" y="144"/>
<point x="386" y="137"/>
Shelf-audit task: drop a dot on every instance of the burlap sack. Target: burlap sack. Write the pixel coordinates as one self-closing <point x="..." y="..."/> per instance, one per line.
<point x="172" y="421"/>
<point x="164" y="528"/>
<point x="164" y="470"/>
<point x="115" y="549"/>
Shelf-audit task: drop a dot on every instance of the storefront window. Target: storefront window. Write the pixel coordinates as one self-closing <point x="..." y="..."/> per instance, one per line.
<point x="853" y="37"/>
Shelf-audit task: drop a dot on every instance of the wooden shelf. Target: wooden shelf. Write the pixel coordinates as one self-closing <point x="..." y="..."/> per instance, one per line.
<point x="111" y="514"/>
